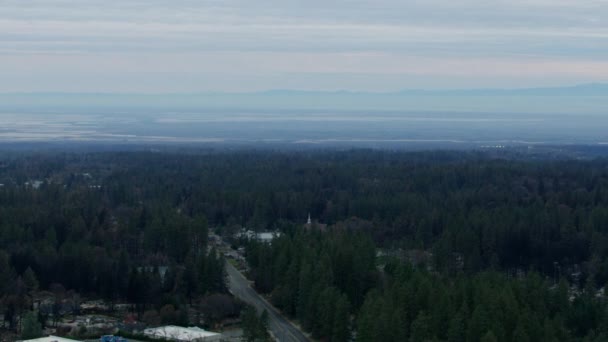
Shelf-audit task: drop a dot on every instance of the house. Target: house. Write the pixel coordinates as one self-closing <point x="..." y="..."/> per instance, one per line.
<point x="182" y="334"/>
<point x="162" y="270"/>
<point x="310" y="225"/>
<point x="34" y="184"/>
<point x="112" y="338"/>
<point x="265" y="237"/>
<point x="50" y="338"/>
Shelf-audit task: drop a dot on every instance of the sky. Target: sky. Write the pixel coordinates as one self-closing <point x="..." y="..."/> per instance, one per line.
<point x="172" y="46"/>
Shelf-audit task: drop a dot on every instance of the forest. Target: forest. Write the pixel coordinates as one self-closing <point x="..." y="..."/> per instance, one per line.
<point x="437" y="246"/>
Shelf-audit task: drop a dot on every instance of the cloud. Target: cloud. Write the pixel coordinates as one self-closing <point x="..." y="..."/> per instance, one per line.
<point x="503" y="38"/>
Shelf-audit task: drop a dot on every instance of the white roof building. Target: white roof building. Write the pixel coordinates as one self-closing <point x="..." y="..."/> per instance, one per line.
<point x="50" y="338"/>
<point x="34" y="184"/>
<point x="266" y="237"/>
<point x="182" y="334"/>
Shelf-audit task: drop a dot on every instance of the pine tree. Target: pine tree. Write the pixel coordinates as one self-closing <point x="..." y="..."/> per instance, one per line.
<point x="366" y="318"/>
<point x="254" y="328"/>
<point x="30" y="280"/>
<point x="189" y="279"/>
<point x="249" y="319"/>
<point x="325" y="312"/>
<point x="489" y="337"/>
<point x="304" y="290"/>
<point x="341" y="321"/>
<point x="520" y="334"/>
<point x="6" y="273"/>
<point x="121" y="275"/>
<point x="421" y="328"/>
<point x="31" y="326"/>
<point x="549" y="334"/>
<point x="478" y="324"/>
<point x="400" y="323"/>
<point x="50" y="237"/>
<point x="311" y="319"/>
<point x="291" y="288"/>
<point x="215" y="272"/>
<point x="263" y="326"/>
<point x="457" y="328"/>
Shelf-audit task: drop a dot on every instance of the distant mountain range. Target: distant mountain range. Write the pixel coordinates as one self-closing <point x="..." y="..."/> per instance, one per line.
<point x="588" y="89"/>
<point x="584" y="98"/>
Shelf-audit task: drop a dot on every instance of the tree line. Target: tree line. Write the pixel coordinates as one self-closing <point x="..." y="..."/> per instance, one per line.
<point x="103" y="224"/>
<point x="333" y="284"/>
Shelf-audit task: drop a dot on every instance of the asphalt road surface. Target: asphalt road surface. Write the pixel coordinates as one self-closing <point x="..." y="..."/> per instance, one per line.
<point x="282" y="329"/>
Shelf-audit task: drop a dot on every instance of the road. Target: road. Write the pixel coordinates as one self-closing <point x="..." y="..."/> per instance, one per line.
<point x="282" y="329"/>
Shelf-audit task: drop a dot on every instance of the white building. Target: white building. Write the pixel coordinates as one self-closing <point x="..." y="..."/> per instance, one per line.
<point x="50" y="339"/>
<point x="34" y="184"/>
<point x="265" y="237"/>
<point x="181" y="334"/>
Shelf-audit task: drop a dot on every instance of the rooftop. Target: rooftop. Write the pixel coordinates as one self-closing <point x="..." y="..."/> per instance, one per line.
<point x="179" y="333"/>
<point x="50" y="339"/>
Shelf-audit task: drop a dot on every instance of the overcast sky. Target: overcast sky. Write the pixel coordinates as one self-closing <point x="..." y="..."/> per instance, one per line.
<point x="251" y="45"/>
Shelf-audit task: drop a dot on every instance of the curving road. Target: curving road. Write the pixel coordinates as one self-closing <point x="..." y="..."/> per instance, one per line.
<point x="282" y="329"/>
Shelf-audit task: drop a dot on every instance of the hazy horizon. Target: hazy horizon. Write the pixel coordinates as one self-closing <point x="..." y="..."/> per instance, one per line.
<point x="579" y="99"/>
<point x="572" y="89"/>
<point x="518" y="71"/>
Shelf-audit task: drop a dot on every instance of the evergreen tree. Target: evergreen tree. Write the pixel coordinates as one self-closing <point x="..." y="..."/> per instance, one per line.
<point x="341" y="321"/>
<point x="489" y="337"/>
<point x="479" y="323"/>
<point x="520" y="334"/>
<point x="367" y="318"/>
<point x="324" y="314"/>
<point x="189" y="279"/>
<point x="30" y="280"/>
<point x="255" y="329"/>
<point x="457" y="328"/>
<point x="31" y="326"/>
<point x="263" y="325"/>
<point x="304" y="290"/>
<point x="6" y="273"/>
<point x="248" y="318"/>
<point x="421" y="328"/>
